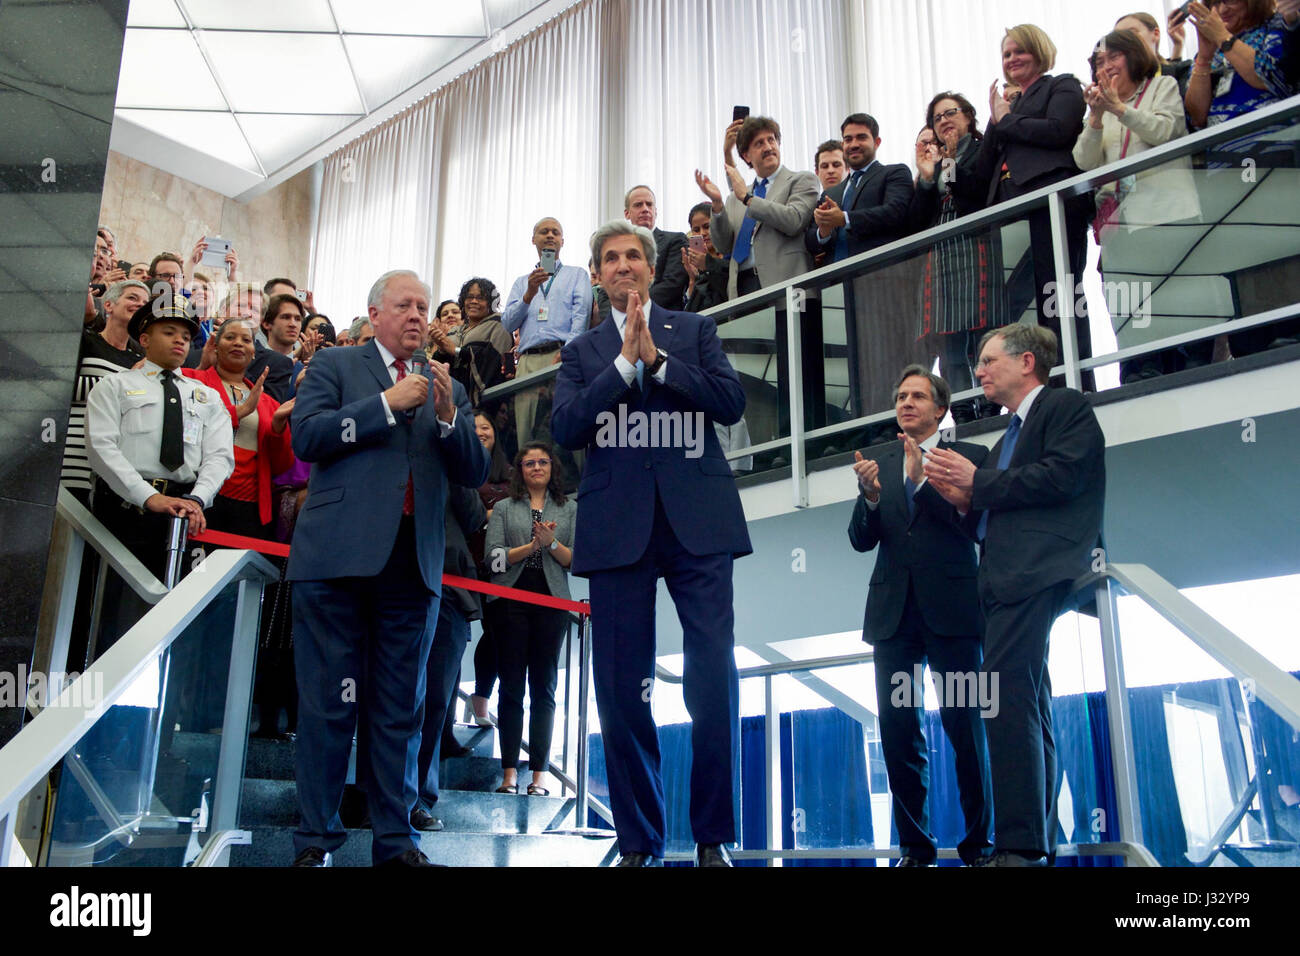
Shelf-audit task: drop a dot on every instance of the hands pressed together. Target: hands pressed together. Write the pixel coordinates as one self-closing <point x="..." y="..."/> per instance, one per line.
<point x="637" y="341"/>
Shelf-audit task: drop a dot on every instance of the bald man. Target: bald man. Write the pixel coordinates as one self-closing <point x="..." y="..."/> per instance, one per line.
<point x="549" y="307"/>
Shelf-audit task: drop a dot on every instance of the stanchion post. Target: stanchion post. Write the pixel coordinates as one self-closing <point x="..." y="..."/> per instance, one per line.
<point x="584" y="682"/>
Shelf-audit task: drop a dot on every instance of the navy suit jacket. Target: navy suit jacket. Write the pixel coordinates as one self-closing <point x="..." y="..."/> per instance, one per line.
<point x="361" y="464"/>
<point x="616" y="498"/>
<point x="929" y="551"/>
<point x="1045" y="509"/>
<point x="878" y="214"/>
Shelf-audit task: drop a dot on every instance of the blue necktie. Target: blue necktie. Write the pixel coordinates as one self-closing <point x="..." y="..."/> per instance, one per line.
<point x="842" y="243"/>
<point x="640" y="374"/>
<point x="745" y="238"/>
<point x="1004" y="459"/>
<point x="909" y="486"/>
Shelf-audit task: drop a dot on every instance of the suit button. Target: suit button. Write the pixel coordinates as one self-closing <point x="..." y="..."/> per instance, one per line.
<point x="648" y="466"/>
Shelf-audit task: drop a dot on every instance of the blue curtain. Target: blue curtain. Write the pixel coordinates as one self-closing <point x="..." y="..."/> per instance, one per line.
<point x="827" y="793"/>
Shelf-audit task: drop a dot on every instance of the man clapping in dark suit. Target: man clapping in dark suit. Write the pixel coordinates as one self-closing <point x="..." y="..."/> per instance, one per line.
<point x="670" y="281"/>
<point x="923" y="605"/>
<point x="1036" y="504"/>
<point x="651" y="508"/>
<point x="385" y="432"/>
<point x="867" y="210"/>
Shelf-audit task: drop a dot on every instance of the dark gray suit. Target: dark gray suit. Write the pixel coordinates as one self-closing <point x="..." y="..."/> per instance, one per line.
<point x="922" y="605"/>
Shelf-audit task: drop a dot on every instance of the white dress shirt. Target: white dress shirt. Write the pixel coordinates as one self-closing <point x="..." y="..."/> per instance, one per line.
<point x="390" y="363"/>
<point x="628" y="369"/>
<point x="927" y="445"/>
<point x="124" y="419"/>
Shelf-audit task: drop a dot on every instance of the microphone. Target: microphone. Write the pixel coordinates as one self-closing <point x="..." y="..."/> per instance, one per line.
<point x="419" y="366"/>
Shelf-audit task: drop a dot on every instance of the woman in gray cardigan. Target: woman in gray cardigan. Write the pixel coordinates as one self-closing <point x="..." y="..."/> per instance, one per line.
<point x="529" y="546"/>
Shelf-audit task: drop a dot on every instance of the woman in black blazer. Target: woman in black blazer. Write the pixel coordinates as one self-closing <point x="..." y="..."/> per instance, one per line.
<point x="1028" y="145"/>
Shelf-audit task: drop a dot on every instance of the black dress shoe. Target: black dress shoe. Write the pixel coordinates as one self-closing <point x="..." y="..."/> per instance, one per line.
<point x="314" y="856"/>
<point x="1007" y="858"/>
<point x="449" y="753"/>
<point x="712" y="854"/>
<point x="908" y="860"/>
<point x="422" y="819"/>
<point x="411" y="857"/>
<point x="639" y="859"/>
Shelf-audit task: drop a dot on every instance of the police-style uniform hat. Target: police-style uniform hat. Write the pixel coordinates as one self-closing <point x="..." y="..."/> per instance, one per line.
<point x="166" y="307"/>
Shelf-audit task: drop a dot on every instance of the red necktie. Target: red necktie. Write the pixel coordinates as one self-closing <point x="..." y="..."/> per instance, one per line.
<point x="408" y="503"/>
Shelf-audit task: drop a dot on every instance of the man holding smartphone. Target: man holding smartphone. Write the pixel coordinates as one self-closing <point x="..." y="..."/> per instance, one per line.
<point x="548" y="307"/>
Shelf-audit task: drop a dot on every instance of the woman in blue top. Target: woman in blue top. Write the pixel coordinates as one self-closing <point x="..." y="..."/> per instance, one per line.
<point x="1244" y="39"/>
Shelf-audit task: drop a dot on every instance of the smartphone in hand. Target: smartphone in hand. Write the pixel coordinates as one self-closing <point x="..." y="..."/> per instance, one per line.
<point x="548" y="261"/>
<point x="739" y="113"/>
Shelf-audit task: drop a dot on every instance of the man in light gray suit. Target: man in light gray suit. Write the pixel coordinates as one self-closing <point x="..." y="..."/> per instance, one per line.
<point x="761" y="226"/>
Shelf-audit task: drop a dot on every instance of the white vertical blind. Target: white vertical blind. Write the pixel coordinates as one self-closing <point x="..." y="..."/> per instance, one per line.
<point x="617" y="92"/>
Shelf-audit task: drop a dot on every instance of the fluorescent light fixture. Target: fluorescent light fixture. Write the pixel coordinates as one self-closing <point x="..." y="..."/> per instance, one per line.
<point x="283" y="72"/>
<point x="163" y="69"/>
<point x="386" y="66"/>
<point x="447" y="18"/>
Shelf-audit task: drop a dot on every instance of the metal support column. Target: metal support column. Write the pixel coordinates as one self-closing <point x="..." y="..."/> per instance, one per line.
<point x="1064" y="289"/>
<point x="794" y="300"/>
<point x="772" y="769"/>
<point x="1117" y="710"/>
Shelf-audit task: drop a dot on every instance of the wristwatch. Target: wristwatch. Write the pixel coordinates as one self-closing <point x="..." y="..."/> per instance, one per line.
<point x="554" y="544"/>
<point x="1226" y="45"/>
<point x="748" y="196"/>
<point x="658" y="363"/>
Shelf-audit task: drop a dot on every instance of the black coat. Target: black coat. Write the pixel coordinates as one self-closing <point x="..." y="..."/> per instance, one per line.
<point x="1036" y="139"/>
<point x="1045" y="509"/>
<point x="671" y="280"/>
<point x="929" y="553"/>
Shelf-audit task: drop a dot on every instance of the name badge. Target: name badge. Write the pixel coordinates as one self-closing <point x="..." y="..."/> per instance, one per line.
<point x="137" y="391"/>
<point x="541" y="313"/>
<point x="193" y="429"/>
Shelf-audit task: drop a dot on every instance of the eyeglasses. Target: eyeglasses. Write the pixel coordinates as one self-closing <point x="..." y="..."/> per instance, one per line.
<point x="537" y="463"/>
<point x="946" y="114"/>
<point x="474" y="296"/>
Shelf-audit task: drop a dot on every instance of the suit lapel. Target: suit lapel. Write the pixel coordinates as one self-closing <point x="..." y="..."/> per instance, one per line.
<point x="375" y="363"/>
<point x="607" y="341"/>
<point x="867" y="179"/>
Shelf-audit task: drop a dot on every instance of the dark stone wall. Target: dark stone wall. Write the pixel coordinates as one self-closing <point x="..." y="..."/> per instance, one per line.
<point x="59" y="66"/>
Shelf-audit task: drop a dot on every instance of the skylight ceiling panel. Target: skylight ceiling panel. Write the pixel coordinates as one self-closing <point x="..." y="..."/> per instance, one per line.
<point x="279" y="139"/>
<point x="283" y="73"/>
<point x="303" y="16"/>
<point x="154" y="13"/>
<point x="447" y="18"/>
<point x="216" y="134"/>
<point x="386" y="66"/>
<point x="163" y="69"/>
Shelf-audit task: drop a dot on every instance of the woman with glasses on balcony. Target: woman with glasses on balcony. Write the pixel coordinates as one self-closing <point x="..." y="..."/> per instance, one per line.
<point x="961" y="287"/>
<point x="1246" y="41"/>
<point x="531" y="534"/>
<point x="1134" y="107"/>
<point x="1027" y="145"/>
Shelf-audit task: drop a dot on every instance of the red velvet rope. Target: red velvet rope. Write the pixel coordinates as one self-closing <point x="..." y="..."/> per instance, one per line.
<point x="450" y="580"/>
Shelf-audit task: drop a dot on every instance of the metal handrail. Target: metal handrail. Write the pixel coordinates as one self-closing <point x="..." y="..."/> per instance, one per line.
<point x="48" y="737"/>
<point x="854" y="266"/>
<point x="1270" y="683"/>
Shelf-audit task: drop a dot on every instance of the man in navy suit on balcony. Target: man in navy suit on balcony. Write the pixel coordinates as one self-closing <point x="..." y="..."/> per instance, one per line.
<point x="641" y="393"/>
<point x="1036" y="505"/>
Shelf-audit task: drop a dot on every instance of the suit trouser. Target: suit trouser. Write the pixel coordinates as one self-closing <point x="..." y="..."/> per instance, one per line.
<point x="528" y="651"/>
<point x="1022" y="751"/>
<point x="623" y="647"/>
<point x="526" y="401"/>
<point x="904" y="744"/>
<point x="449" y="640"/>
<point x="361" y="644"/>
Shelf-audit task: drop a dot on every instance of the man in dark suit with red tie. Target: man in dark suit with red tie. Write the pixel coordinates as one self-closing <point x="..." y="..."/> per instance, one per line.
<point x="923" y="606"/>
<point x="650" y="508"/>
<point x="1036" y="505"/>
<point x="367" y="564"/>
